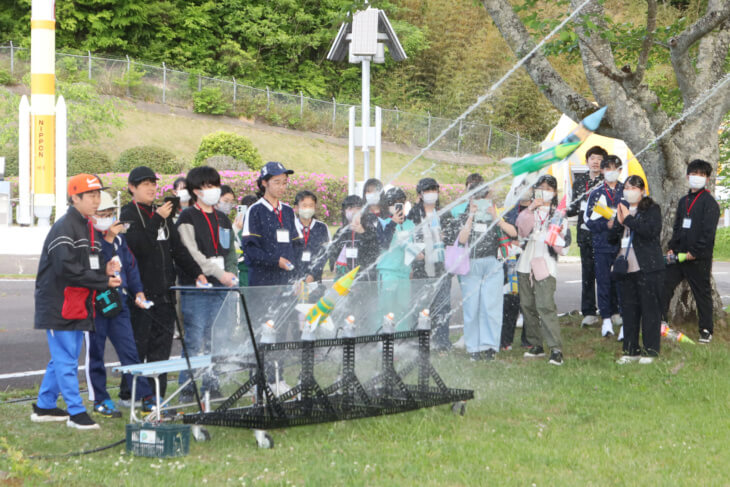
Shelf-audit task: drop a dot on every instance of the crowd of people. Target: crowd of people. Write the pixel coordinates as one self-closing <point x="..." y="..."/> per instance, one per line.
<point x="112" y="278"/>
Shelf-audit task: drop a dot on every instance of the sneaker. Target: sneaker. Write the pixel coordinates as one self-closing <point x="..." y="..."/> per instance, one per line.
<point x="534" y="352"/>
<point x="460" y="343"/>
<point x="589" y="320"/>
<point x="520" y="321"/>
<point x="607" y="328"/>
<point x="53" y="415"/>
<point x="617" y="320"/>
<point x="489" y="355"/>
<point x="628" y="359"/>
<point x="646" y="360"/>
<point x="82" y="421"/>
<point x="507" y="348"/>
<point x="620" y="334"/>
<point x="107" y="408"/>
<point x="556" y="357"/>
<point x="705" y="336"/>
<point x="475" y="357"/>
<point x="149" y="404"/>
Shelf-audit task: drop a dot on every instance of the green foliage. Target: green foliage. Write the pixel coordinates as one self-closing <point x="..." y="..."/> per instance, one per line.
<point x="131" y="78"/>
<point x="11" y="164"/>
<point x="88" y="115"/>
<point x="723" y="163"/>
<point x="229" y="144"/>
<point x="6" y="78"/>
<point x="85" y="160"/>
<point x="210" y="100"/>
<point x="159" y="159"/>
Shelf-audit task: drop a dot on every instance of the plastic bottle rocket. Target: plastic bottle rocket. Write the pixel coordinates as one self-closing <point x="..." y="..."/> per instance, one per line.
<point x="424" y="320"/>
<point x="556" y="225"/>
<point x="322" y="308"/>
<point x="348" y="331"/>
<point x="268" y="332"/>
<point x="388" y="324"/>
<point x="512" y="274"/>
<point x="675" y="335"/>
<point x="602" y="210"/>
<point x="675" y="258"/>
<point x="586" y="127"/>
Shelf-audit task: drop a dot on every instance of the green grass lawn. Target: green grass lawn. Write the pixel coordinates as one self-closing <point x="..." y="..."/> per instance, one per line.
<point x="589" y="422"/>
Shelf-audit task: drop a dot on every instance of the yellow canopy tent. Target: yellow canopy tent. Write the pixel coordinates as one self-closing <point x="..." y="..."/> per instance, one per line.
<point x="577" y="161"/>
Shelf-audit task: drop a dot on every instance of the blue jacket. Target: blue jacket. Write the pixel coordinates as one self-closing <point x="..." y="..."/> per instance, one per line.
<point x="261" y="248"/>
<point x="314" y="240"/>
<point x="599" y="227"/>
<point x="131" y="282"/>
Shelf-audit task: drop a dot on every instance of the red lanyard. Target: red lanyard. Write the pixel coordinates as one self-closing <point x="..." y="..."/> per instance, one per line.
<point x="689" y="208"/>
<point x="609" y="195"/>
<point x="305" y="233"/>
<point x="149" y="213"/>
<point x="278" y="215"/>
<point x="210" y="226"/>
<point x="542" y="220"/>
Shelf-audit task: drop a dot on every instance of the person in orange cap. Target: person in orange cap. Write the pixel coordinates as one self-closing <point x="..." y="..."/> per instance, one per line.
<point x="71" y="271"/>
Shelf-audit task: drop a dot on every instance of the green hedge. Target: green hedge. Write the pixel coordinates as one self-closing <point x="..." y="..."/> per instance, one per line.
<point x="229" y="144"/>
<point x="210" y="100"/>
<point x="82" y="159"/>
<point x="159" y="159"/>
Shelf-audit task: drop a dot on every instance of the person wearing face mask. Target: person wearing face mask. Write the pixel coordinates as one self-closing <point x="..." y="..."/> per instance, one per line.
<point x="693" y="234"/>
<point x="604" y="252"/>
<point x="582" y="186"/>
<point x="537" y="271"/>
<point x="436" y="233"/>
<point x="638" y="228"/>
<point x="481" y="288"/>
<point x="227" y="200"/>
<point x="208" y="236"/>
<point x="372" y="192"/>
<point x="356" y="242"/>
<point x="394" y="291"/>
<point x="472" y="181"/>
<point x="180" y="190"/>
<point x="117" y="328"/>
<point x="315" y="238"/>
<point x="154" y="241"/>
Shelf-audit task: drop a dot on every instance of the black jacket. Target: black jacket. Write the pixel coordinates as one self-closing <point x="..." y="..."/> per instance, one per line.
<point x="449" y="232"/>
<point x="582" y="187"/>
<point x="699" y="239"/>
<point x="368" y="248"/>
<point x="155" y="257"/>
<point x="647" y="228"/>
<point x="66" y="283"/>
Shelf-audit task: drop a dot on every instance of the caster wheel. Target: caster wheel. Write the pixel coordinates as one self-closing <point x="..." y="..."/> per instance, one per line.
<point x="459" y="408"/>
<point x="200" y="433"/>
<point x="263" y="439"/>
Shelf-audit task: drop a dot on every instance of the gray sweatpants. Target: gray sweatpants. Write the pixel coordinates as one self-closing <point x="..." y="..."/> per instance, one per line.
<point x="537" y="301"/>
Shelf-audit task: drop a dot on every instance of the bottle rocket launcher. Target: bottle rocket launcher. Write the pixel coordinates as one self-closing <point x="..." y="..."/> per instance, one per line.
<point x="322" y="309"/>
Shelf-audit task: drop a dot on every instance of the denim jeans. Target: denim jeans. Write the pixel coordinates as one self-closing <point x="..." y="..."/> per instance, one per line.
<point x="481" y="291"/>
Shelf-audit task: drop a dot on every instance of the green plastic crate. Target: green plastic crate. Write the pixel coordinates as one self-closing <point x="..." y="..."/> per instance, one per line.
<point x="158" y="440"/>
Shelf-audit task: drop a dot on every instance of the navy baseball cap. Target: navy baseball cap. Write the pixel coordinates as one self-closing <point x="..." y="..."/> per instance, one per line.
<point x="274" y="169"/>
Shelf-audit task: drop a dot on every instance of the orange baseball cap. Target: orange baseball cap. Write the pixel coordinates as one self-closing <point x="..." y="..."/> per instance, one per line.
<point x="81" y="183"/>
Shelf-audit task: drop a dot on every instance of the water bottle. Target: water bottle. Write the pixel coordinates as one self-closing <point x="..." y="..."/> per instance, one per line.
<point x="268" y="333"/>
<point x="388" y="324"/>
<point x="348" y="331"/>
<point x="424" y="320"/>
<point x="512" y="274"/>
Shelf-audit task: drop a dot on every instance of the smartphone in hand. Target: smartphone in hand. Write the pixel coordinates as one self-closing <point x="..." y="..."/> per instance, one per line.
<point x="175" y="203"/>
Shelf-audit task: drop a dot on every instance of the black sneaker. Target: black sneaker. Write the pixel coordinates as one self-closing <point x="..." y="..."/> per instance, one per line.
<point x="534" y="352"/>
<point x="489" y="355"/>
<point x="41" y="415"/>
<point x="705" y="336"/>
<point x="474" y="357"/>
<point x="556" y="357"/>
<point x="82" y="421"/>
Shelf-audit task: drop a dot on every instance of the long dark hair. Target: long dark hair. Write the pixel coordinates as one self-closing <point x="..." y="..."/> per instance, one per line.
<point x="637" y="182"/>
<point x="260" y="185"/>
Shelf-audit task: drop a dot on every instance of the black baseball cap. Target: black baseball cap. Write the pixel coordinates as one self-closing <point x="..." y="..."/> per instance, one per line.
<point x="139" y="174"/>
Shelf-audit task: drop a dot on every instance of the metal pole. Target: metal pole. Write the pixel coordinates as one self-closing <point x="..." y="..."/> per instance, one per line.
<point x="301" y="105"/>
<point x="458" y="142"/>
<point x="268" y="98"/>
<point x="517" y="149"/>
<point x="164" y="82"/>
<point x="351" y="153"/>
<point x="234" y="92"/>
<point x="12" y="59"/>
<point x="397" y="117"/>
<point x="89" y="53"/>
<point x="489" y="138"/>
<point x="428" y="134"/>
<point x="334" y="114"/>
<point x="129" y="75"/>
<point x="365" y="118"/>
<point x="378" y="141"/>
<point x="200" y="84"/>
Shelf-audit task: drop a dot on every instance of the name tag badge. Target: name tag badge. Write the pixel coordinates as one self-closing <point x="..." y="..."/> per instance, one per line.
<point x="94" y="262"/>
<point x="583" y="205"/>
<point x="686" y="223"/>
<point x="161" y="235"/>
<point x="219" y="262"/>
<point x="480" y="227"/>
<point x="224" y="237"/>
<point x="306" y="256"/>
<point x="282" y="235"/>
<point x="351" y="252"/>
<point x="625" y="242"/>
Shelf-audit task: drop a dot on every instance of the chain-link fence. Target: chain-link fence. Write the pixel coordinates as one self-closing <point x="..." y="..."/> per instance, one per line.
<point x="161" y="84"/>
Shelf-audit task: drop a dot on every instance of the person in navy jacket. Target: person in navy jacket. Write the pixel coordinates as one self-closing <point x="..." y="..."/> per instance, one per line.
<point x="119" y="327"/>
<point x="270" y="238"/>
<point x="610" y="193"/>
<point x="315" y="238"/>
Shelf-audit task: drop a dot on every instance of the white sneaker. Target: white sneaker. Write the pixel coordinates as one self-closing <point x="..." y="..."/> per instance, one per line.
<point x="520" y="321"/>
<point x="617" y="320"/>
<point x="646" y="360"/>
<point x="589" y="320"/>
<point x="628" y="359"/>
<point x="620" y="334"/>
<point x="459" y="343"/>
<point x="607" y="328"/>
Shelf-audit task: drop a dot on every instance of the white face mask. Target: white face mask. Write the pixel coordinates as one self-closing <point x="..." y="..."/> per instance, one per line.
<point x="633" y="196"/>
<point x="183" y="195"/>
<point x="611" y="176"/>
<point x="697" y="182"/>
<point x="350" y="214"/>
<point x="103" y="224"/>
<point x="210" y="196"/>
<point x="547" y="196"/>
<point x="372" y="198"/>
<point x="306" y="213"/>
<point x="430" y="198"/>
<point x="225" y="207"/>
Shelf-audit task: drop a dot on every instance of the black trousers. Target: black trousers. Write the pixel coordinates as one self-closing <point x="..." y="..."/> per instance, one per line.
<point x="511" y="310"/>
<point x="641" y="295"/>
<point x="153" y="330"/>
<point x="697" y="273"/>
<point x="588" y="280"/>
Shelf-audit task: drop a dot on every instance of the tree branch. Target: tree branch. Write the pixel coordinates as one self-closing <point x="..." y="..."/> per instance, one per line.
<point x="647" y="44"/>
<point x="603" y="67"/>
<point x="552" y="85"/>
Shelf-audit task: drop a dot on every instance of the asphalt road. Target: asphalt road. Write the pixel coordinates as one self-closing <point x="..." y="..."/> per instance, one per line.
<point x="24" y="350"/>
